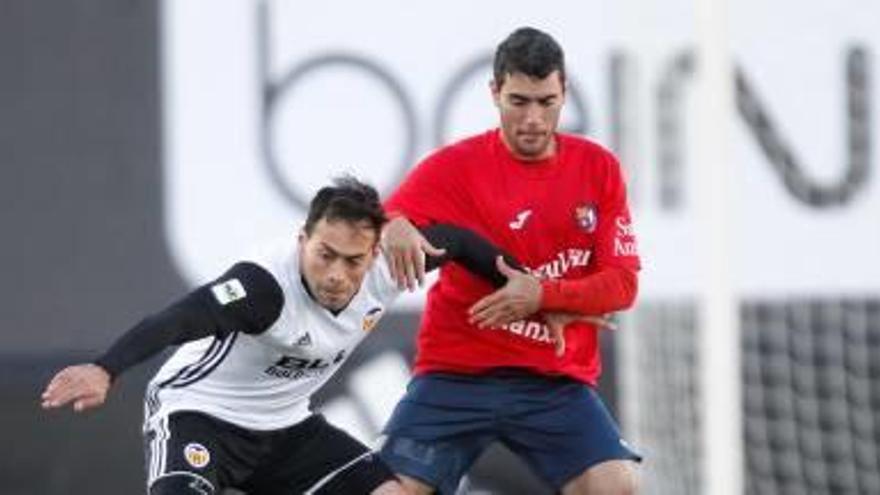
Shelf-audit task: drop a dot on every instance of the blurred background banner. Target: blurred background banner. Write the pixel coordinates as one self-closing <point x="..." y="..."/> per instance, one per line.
<point x="268" y="100"/>
<point x="271" y="99"/>
<point x="145" y="145"/>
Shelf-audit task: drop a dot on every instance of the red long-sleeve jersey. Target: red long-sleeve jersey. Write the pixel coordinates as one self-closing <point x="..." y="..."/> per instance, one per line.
<point x="565" y="218"/>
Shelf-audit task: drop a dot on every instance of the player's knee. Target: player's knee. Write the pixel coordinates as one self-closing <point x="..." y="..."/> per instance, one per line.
<point x="607" y="478"/>
<point x="392" y="487"/>
<point x="181" y="483"/>
<point x="363" y="477"/>
<point x="412" y="486"/>
<point x="624" y="481"/>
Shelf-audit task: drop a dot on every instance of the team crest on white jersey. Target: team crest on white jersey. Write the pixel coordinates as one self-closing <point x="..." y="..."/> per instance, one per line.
<point x="587" y="217"/>
<point x="196" y="455"/>
<point x="371" y="318"/>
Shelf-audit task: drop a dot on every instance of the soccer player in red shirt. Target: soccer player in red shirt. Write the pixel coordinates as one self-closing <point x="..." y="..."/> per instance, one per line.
<point x="518" y="365"/>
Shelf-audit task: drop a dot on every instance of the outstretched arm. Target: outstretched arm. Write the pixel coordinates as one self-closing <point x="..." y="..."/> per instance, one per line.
<point x="469" y="249"/>
<point x="411" y="252"/>
<point x="246" y="298"/>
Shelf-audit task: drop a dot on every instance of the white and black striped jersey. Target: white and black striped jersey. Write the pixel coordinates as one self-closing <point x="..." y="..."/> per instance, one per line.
<point x="280" y="347"/>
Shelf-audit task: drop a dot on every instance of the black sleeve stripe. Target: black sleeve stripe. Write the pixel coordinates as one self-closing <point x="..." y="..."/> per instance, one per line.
<point x="196" y="365"/>
<point x="210" y="366"/>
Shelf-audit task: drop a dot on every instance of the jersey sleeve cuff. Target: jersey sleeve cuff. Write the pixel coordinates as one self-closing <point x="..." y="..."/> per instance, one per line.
<point x="551" y="295"/>
<point x="111" y="370"/>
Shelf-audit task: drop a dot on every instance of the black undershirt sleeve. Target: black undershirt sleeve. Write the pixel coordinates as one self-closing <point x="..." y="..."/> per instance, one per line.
<point x="469" y="249"/>
<point x="247" y="298"/>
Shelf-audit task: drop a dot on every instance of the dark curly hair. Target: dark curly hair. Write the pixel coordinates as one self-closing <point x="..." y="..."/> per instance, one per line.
<point x="348" y="199"/>
<point x="531" y="52"/>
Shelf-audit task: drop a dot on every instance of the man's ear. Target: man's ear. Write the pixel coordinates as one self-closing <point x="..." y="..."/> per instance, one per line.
<point x="495" y="89"/>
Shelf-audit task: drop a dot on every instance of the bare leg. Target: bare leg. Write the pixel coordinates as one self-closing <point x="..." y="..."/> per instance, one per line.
<point x="608" y="478"/>
<point x="389" y="488"/>
<point x="414" y="486"/>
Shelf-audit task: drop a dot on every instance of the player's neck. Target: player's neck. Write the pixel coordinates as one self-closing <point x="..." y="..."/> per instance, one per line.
<point x="334" y="312"/>
<point x="548" y="152"/>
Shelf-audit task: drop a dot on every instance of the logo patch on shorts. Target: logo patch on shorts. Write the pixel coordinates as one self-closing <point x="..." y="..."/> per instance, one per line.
<point x="196" y="455"/>
<point x="228" y="291"/>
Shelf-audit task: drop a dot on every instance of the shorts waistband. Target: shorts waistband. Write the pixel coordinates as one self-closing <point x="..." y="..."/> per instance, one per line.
<point x="507" y="373"/>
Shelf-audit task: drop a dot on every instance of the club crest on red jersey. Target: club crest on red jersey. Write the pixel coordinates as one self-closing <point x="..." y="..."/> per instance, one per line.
<point x="586" y="216"/>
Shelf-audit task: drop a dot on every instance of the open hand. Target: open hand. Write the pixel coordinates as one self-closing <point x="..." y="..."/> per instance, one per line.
<point x="557" y="321"/>
<point x="519" y="298"/>
<point x="405" y="248"/>
<point x="85" y="385"/>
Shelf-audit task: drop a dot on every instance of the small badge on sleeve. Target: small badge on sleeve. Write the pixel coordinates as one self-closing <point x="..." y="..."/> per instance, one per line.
<point x="228" y="291"/>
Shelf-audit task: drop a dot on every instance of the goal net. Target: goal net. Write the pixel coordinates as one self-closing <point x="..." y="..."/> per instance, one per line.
<point x="811" y="396"/>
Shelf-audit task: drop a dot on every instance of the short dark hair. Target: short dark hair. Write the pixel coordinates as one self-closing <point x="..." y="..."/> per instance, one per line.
<point x="349" y="200"/>
<point x="531" y="52"/>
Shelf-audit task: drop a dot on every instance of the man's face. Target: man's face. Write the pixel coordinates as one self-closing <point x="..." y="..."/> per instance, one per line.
<point x="334" y="260"/>
<point x="529" y="109"/>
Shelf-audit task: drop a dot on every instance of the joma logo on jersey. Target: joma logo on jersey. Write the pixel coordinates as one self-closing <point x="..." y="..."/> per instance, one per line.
<point x="295" y="367"/>
<point x="520" y="221"/>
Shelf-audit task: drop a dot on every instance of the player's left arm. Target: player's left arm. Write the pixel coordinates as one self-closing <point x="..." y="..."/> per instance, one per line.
<point x="613" y="284"/>
<point x="246" y="299"/>
<point x="609" y="290"/>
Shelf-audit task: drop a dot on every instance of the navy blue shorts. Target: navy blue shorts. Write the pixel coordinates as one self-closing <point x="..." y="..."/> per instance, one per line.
<point x="560" y="427"/>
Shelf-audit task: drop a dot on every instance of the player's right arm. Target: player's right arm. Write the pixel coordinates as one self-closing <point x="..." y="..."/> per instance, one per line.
<point x="247" y="298"/>
<point x="469" y="249"/>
